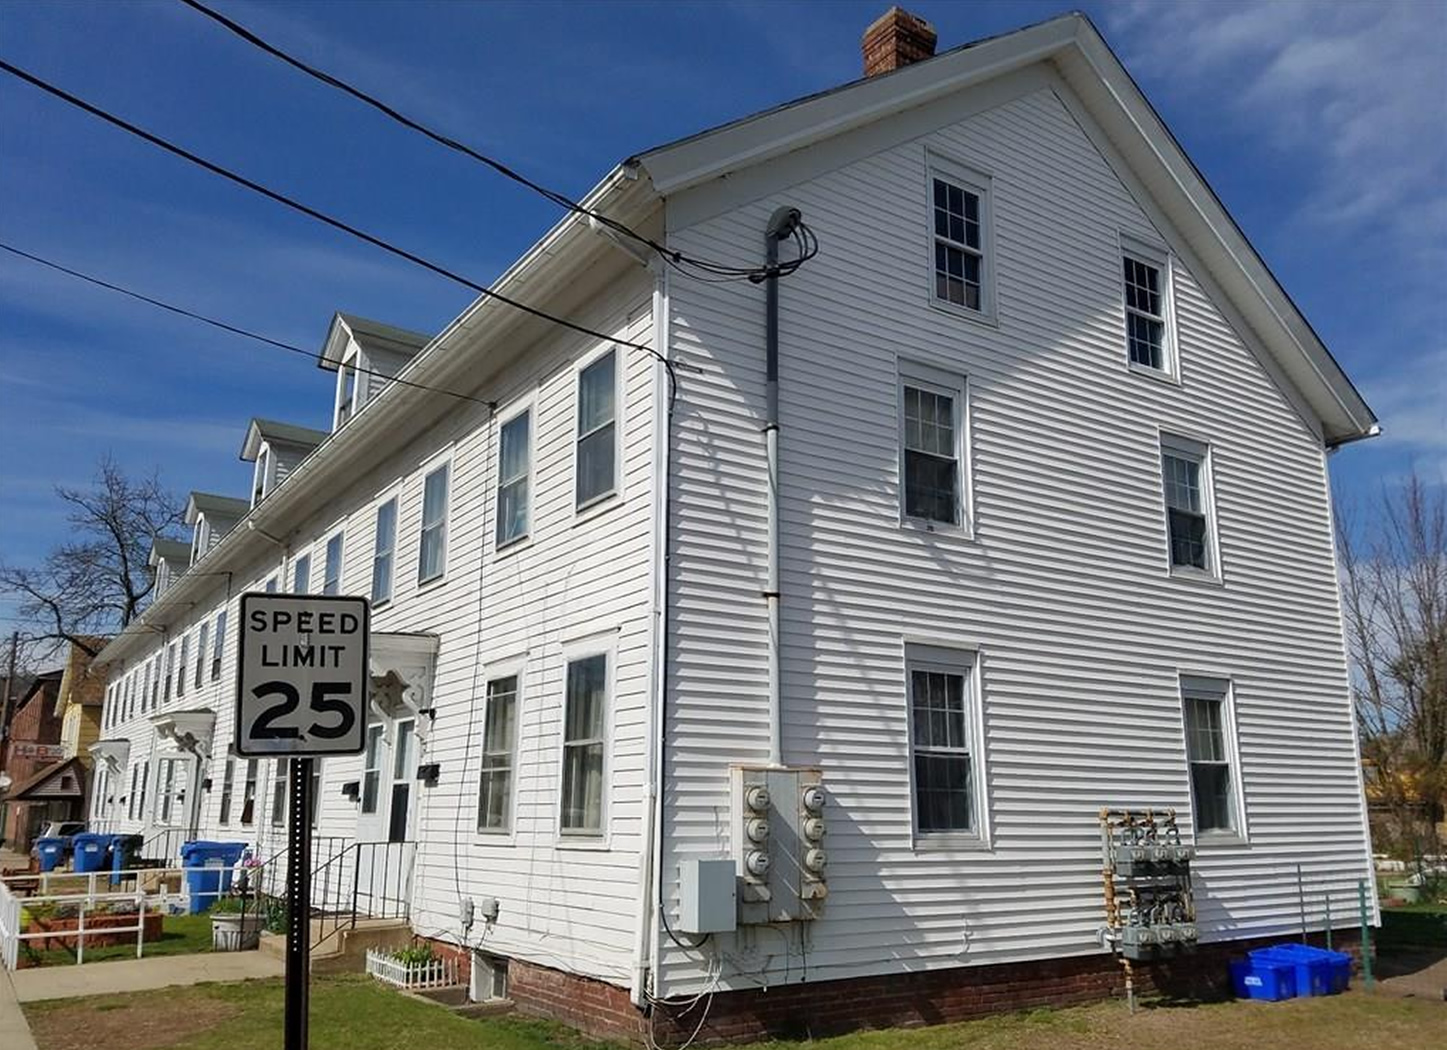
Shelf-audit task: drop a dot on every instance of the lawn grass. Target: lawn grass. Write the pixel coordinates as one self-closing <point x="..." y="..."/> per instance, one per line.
<point x="355" y="1013"/>
<point x="180" y="935"/>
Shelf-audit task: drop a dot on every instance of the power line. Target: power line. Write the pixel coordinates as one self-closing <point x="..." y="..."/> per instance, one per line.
<point x="233" y="329"/>
<point x="808" y="246"/>
<point x="338" y="224"/>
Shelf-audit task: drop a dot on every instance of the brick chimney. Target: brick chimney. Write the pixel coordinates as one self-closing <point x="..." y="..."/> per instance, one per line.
<point x="897" y="38"/>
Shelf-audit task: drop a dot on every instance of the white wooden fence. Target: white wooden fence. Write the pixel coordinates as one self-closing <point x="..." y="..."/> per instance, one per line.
<point x="435" y="973"/>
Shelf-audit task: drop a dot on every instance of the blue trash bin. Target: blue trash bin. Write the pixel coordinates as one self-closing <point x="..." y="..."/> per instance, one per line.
<point x="51" y="851"/>
<point x="90" y="850"/>
<point x="208" y="871"/>
<point x="1318" y="971"/>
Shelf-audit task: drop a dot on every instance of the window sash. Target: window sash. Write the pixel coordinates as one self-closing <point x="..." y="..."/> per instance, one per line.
<point x="248" y="793"/>
<point x="597" y="452"/>
<point x="584" y="727"/>
<point x="332" y="576"/>
<point x="203" y="637"/>
<point x="514" y="467"/>
<point x="181" y="665"/>
<point x="228" y="780"/>
<point x="278" y="794"/>
<point x="1184" y="479"/>
<point x="959" y="252"/>
<point x="1209" y="759"/>
<point x="301" y="575"/>
<point x="372" y="767"/>
<point x="432" y="554"/>
<point x="167" y="668"/>
<point x="382" y="553"/>
<point x="219" y="645"/>
<point x="932" y="482"/>
<point x="942" y="748"/>
<point x="494" y="807"/>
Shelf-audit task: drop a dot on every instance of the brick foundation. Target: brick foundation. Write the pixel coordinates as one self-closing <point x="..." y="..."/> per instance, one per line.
<point x="905" y="1000"/>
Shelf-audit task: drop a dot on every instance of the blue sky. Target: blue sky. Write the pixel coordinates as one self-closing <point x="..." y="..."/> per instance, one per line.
<point x="1320" y="125"/>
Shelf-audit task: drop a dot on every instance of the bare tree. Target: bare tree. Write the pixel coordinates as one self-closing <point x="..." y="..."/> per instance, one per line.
<point x="97" y="581"/>
<point x="1394" y="600"/>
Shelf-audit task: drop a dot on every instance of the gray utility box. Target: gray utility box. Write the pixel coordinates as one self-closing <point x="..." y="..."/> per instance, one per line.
<point x="707" y="899"/>
<point x="778" y="832"/>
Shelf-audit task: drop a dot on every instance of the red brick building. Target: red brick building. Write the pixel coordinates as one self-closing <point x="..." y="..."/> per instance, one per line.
<point x="33" y="747"/>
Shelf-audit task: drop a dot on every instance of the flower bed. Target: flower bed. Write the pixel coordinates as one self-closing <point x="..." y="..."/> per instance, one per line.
<point x="412" y="968"/>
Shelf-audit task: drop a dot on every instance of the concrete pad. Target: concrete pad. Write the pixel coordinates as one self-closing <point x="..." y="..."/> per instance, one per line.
<point x="134" y="975"/>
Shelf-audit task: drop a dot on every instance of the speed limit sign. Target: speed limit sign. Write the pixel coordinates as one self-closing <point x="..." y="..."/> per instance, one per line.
<point x="302" y="675"/>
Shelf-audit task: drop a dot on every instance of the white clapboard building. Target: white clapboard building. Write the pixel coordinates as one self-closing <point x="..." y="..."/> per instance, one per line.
<point x="1038" y="525"/>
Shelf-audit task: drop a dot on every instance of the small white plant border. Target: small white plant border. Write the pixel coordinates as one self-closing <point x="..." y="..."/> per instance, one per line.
<point x="387" y="968"/>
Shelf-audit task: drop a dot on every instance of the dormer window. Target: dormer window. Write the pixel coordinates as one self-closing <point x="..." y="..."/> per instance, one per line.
<point x="200" y="539"/>
<point x="264" y="476"/>
<point x="347" y="394"/>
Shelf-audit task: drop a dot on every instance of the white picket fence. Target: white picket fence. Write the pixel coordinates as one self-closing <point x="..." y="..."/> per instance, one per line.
<point x="436" y="973"/>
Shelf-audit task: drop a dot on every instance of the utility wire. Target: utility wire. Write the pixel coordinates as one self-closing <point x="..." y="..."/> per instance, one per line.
<point x="684" y="263"/>
<point x="227" y="327"/>
<point x="328" y="220"/>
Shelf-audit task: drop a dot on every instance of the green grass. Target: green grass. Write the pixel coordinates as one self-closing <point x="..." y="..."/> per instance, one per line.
<point x="1423" y="908"/>
<point x="180" y="935"/>
<point x="354" y="1013"/>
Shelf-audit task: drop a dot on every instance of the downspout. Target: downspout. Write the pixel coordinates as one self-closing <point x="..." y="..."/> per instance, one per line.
<point x="781" y="224"/>
<point x="650" y="860"/>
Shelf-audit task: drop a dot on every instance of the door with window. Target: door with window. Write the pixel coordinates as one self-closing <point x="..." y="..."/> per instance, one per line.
<point x="385" y="809"/>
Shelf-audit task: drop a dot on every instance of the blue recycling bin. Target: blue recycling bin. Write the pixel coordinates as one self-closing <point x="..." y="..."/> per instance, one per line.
<point x="51" y="851"/>
<point x="125" y="855"/>
<point x="1317" y="970"/>
<point x="208" y="871"/>
<point x="90" y="850"/>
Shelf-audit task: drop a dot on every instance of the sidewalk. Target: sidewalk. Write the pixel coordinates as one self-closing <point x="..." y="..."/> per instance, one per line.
<point x="134" y="975"/>
<point x="14" y="1032"/>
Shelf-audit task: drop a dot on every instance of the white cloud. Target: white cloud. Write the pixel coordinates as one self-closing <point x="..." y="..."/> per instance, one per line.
<point x="1355" y="86"/>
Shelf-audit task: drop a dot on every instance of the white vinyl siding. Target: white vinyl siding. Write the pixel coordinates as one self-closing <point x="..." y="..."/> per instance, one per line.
<point x="384" y="552"/>
<point x="432" y="546"/>
<point x="494" y="805"/>
<point x="514" y="472"/>
<point x="597" y="451"/>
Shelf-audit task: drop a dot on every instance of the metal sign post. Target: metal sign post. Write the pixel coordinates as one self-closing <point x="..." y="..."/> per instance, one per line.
<point x="301" y="692"/>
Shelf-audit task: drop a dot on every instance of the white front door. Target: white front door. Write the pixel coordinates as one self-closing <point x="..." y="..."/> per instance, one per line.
<point x="384" y="818"/>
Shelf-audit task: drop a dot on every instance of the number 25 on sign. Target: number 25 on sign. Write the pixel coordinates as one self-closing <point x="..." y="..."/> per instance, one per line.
<point x="302" y="675"/>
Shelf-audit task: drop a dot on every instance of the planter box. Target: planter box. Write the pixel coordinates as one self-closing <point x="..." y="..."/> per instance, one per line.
<point x="236" y="933"/>
<point x="438" y="973"/>
<point x="95" y="927"/>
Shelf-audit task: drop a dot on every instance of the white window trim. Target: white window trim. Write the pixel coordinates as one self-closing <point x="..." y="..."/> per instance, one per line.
<point x="340" y="536"/>
<point x="1160" y="257"/>
<point x="528" y="404"/>
<point x="200" y="539"/>
<point x="614" y="496"/>
<point x="1179" y="444"/>
<point x="305" y="552"/>
<point x="958" y="386"/>
<point x="953" y="658"/>
<point x="443" y="459"/>
<point x="514" y="667"/>
<point x="392" y="495"/>
<point x="981" y="185"/>
<point x="1216" y="686"/>
<point x="604" y="644"/>
<point x="263" y="474"/>
<point x="352" y="359"/>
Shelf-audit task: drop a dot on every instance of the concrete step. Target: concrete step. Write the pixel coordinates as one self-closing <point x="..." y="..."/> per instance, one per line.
<point x="343" y="950"/>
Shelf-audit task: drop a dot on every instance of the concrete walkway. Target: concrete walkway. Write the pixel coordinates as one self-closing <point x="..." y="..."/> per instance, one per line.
<point x="135" y="975"/>
<point x="14" y="1032"/>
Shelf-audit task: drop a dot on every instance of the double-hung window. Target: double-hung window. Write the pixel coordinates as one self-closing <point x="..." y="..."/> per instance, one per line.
<point x="432" y="548"/>
<point x="1186" y="477"/>
<point x="181" y="665"/>
<point x="218" y="644"/>
<point x="332" y="569"/>
<point x="1148" y="321"/>
<point x="372" y="767"/>
<point x="169" y="666"/>
<point x="514" y="467"/>
<point x="597" y="453"/>
<point x="261" y="478"/>
<point x="301" y="575"/>
<point x="1209" y="747"/>
<point x="202" y="638"/>
<point x="132" y="796"/>
<point x="944" y="740"/>
<point x="959" y="213"/>
<point x="932" y="446"/>
<point x="228" y="780"/>
<point x="584" y="744"/>
<point x="271" y="584"/>
<point x="248" y="793"/>
<point x="278" y="793"/>
<point x="494" y="804"/>
<point x="382" y="553"/>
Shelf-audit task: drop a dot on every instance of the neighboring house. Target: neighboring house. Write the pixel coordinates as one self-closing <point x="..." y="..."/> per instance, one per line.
<point x="33" y="752"/>
<point x="1049" y="531"/>
<point x="78" y="705"/>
